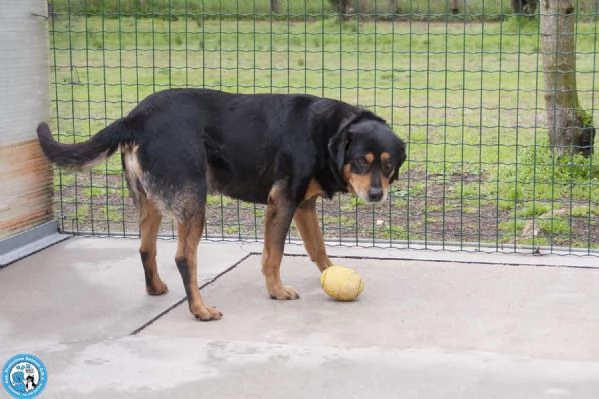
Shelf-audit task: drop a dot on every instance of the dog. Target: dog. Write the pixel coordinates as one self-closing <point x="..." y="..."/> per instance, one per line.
<point x="282" y="150"/>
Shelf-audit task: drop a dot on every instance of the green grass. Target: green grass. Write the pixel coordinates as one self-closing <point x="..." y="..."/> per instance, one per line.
<point x="533" y="209"/>
<point x="467" y="97"/>
<point x="554" y="227"/>
<point x="417" y="9"/>
<point x="218" y="200"/>
<point x="396" y="233"/>
<point x="93" y="191"/>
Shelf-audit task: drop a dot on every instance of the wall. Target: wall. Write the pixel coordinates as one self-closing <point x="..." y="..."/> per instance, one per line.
<point x="25" y="176"/>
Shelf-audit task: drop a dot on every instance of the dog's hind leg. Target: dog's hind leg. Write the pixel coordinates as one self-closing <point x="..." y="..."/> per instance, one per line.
<point x="306" y="221"/>
<point x="150" y="218"/>
<point x="190" y="230"/>
<point x="279" y="213"/>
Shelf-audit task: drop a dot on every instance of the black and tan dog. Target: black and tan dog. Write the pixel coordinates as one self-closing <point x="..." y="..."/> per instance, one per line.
<point x="282" y="150"/>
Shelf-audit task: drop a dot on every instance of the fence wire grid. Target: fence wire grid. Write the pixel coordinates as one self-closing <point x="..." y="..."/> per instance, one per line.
<point x="462" y="86"/>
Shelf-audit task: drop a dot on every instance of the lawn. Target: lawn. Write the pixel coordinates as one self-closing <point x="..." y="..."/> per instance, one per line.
<point x="466" y="96"/>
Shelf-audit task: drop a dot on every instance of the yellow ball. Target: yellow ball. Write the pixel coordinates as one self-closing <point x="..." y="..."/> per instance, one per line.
<point x="341" y="283"/>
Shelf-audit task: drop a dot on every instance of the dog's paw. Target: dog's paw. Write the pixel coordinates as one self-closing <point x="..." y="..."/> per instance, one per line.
<point x="157" y="289"/>
<point x="284" y="293"/>
<point x="206" y="313"/>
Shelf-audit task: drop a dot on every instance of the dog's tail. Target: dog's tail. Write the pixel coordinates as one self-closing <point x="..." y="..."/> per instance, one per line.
<point x="81" y="155"/>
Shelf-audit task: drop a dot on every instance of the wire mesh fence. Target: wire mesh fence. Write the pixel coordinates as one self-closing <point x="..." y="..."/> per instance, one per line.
<point x="461" y="82"/>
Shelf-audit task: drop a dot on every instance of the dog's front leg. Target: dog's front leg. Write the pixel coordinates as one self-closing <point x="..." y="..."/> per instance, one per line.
<point x="279" y="213"/>
<point x="306" y="221"/>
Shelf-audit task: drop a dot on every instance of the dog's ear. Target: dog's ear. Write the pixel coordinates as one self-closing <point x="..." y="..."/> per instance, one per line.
<point x="402" y="158"/>
<point x="340" y="141"/>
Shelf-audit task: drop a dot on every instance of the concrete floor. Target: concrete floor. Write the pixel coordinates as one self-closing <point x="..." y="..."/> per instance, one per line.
<point x="428" y="325"/>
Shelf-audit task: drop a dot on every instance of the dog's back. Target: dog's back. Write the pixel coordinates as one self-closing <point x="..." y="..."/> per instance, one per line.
<point x="186" y="142"/>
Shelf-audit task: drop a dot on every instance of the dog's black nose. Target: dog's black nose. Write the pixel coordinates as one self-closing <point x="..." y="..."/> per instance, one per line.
<point x="375" y="194"/>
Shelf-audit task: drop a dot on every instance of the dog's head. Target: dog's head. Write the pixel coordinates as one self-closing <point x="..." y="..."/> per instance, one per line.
<point x="368" y="155"/>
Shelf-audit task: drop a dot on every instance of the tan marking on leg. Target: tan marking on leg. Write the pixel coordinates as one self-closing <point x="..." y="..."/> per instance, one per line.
<point x="314" y="189"/>
<point x="149" y="220"/>
<point x="306" y="221"/>
<point x="279" y="213"/>
<point x="190" y="234"/>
